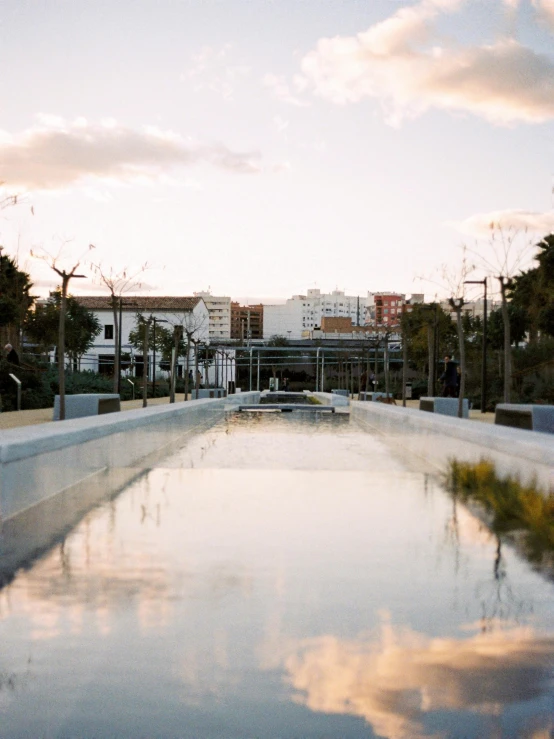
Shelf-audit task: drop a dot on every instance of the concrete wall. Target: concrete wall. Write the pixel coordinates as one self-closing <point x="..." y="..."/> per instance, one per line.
<point x="332" y="399"/>
<point x="435" y="439"/>
<point x="37" y="462"/>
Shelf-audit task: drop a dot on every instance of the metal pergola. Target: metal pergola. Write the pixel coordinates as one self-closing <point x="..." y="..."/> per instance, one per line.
<point x="358" y="354"/>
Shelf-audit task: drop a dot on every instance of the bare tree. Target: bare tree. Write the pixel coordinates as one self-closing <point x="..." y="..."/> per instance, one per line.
<point x="386" y="363"/>
<point x="511" y="249"/>
<point x="144" y="324"/>
<point x="454" y="278"/>
<point x="53" y="261"/>
<point x="187" y="325"/>
<point x="452" y="281"/>
<point x="7" y="200"/>
<point x="177" y="337"/>
<point x="118" y="283"/>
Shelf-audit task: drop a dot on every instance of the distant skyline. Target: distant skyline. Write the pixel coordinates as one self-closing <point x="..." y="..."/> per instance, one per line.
<point x="263" y="148"/>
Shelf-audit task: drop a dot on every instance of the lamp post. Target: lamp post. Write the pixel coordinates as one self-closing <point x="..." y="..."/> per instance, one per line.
<point x="155" y="321"/>
<point x="484" y="360"/>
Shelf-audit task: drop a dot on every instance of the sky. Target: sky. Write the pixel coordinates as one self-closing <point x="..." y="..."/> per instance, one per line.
<point x="259" y="148"/>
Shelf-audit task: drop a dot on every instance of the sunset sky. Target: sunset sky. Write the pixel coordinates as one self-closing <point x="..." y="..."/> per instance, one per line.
<point x="263" y="147"/>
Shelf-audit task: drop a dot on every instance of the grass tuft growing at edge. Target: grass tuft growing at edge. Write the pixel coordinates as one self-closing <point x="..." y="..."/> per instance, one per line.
<point x="512" y="505"/>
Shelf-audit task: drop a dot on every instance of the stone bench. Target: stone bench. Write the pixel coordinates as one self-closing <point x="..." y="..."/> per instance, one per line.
<point x="523" y="416"/>
<point x="444" y="406"/>
<point x="344" y="393"/>
<point x="373" y="396"/>
<point x="209" y="392"/>
<point x="87" y="404"/>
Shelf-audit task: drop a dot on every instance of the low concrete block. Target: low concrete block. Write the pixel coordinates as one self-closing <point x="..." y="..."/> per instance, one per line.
<point x="345" y="393"/>
<point x="444" y="406"/>
<point x="525" y="416"/>
<point x="373" y="396"/>
<point x="209" y="392"/>
<point x="87" y="404"/>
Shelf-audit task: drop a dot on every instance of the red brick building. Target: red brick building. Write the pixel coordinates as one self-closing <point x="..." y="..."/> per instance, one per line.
<point x="385" y="309"/>
<point x="247" y="321"/>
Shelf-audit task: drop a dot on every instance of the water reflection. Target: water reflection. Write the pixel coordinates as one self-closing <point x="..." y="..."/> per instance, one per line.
<point x="399" y="680"/>
<point x="277" y="578"/>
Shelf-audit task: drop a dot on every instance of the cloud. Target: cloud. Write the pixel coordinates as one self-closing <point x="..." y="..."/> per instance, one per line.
<point x="280" y="124"/>
<point x="479" y="225"/>
<point x="212" y="70"/>
<point x="545" y="11"/>
<point x="394" y="683"/>
<point x="405" y="64"/>
<point x="282" y="91"/>
<point x="56" y="154"/>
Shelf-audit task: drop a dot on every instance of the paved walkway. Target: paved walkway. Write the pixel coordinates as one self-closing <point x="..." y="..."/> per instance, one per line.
<point x="15" y="419"/>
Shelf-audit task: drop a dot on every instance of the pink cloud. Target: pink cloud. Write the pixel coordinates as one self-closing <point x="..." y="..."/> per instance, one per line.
<point x="402" y="63"/>
<point x="57" y="154"/>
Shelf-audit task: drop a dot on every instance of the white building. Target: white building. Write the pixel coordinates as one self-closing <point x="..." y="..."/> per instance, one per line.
<point x="476" y="308"/>
<point x="189" y="312"/>
<point x="303" y="313"/>
<point x="219" y="309"/>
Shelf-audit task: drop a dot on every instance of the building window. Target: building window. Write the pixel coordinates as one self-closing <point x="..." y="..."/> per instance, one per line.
<point x="105" y="364"/>
<point x="108" y="331"/>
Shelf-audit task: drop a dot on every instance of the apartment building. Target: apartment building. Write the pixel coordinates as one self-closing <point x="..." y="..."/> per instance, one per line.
<point x="386" y="308"/>
<point x="303" y="313"/>
<point x="219" y="310"/>
<point x="247" y="321"/>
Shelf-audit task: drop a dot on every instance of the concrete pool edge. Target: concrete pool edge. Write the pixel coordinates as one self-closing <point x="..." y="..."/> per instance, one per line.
<point x="37" y="462"/>
<point x="436" y="439"/>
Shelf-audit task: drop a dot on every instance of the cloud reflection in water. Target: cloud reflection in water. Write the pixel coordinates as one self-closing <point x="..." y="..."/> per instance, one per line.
<point x="398" y="681"/>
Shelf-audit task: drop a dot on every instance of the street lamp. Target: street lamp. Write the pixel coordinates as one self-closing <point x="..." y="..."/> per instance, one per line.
<point x="154" y="321"/>
<point x="484" y="360"/>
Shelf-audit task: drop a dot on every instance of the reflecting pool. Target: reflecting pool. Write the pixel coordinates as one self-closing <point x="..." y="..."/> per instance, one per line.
<point x="278" y="576"/>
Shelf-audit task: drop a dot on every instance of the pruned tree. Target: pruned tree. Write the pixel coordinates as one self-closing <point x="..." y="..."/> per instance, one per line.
<point x="452" y="281"/>
<point x="511" y="249"/>
<point x="188" y="326"/>
<point x="146" y="334"/>
<point x="454" y="278"/>
<point x="7" y="201"/>
<point x="54" y="261"/>
<point x="119" y="283"/>
<point x="177" y="343"/>
<point x="141" y="337"/>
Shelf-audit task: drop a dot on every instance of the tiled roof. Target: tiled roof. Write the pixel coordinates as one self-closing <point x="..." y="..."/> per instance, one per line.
<point x="140" y="303"/>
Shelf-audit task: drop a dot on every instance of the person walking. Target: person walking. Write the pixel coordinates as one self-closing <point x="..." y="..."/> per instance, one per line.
<point x="12" y="356"/>
<point x="449" y="378"/>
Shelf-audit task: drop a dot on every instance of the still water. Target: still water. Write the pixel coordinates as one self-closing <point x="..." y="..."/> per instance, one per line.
<point x="279" y="576"/>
